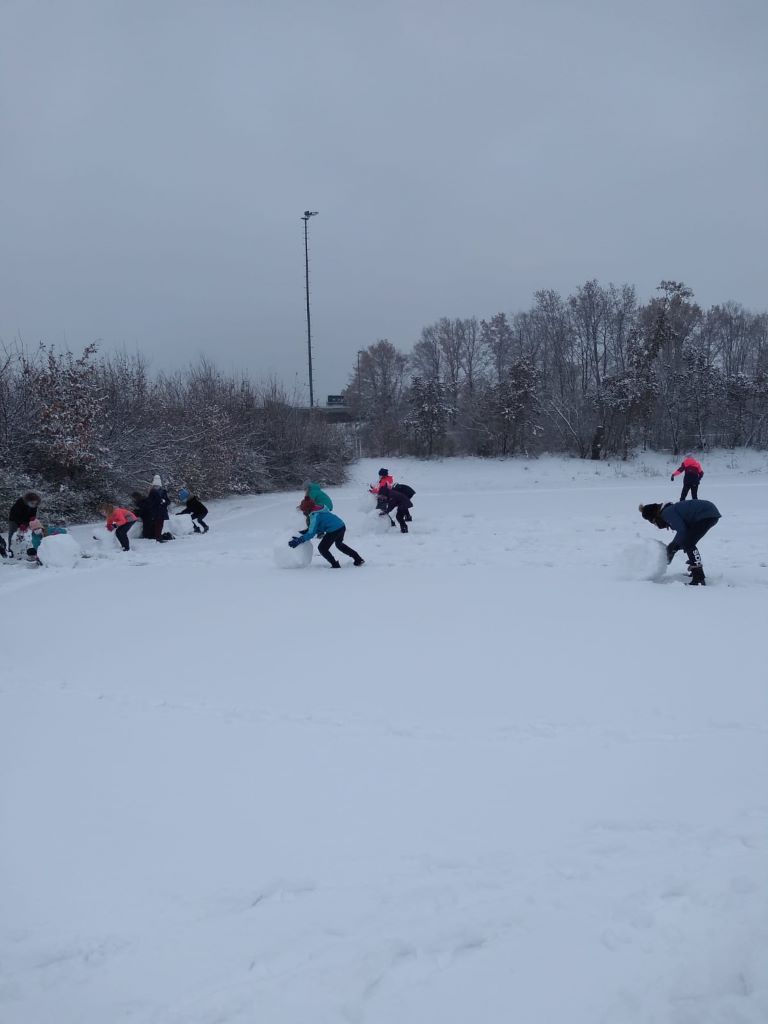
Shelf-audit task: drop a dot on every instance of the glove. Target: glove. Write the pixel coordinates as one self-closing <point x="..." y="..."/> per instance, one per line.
<point x="672" y="478"/>
<point x="671" y="549"/>
<point x="294" y="542"/>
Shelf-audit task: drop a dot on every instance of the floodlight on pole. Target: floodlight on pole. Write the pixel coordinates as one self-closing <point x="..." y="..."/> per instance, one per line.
<point x="305" y="217"/>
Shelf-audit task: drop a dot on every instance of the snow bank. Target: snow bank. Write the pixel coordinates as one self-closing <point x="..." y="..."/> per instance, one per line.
<point x="479" y="778"/>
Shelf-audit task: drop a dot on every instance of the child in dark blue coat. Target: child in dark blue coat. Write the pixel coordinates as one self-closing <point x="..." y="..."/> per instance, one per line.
<point x="690" y="520"/>
<point x="397" y="497"/>
<point x="195" y="509"/>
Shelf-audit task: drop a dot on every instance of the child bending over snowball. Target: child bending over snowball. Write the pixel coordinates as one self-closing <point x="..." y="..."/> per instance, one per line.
<point x="195" y="509"/>
<point x="331" y="528"/>
<point x="120" y="520"/>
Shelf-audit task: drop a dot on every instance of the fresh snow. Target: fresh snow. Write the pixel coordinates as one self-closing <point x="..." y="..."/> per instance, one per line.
<point x="497" y="774"/>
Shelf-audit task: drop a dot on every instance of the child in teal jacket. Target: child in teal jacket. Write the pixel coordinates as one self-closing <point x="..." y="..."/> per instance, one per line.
<point x="331" y="529"/>
<point x="317" y="494"/>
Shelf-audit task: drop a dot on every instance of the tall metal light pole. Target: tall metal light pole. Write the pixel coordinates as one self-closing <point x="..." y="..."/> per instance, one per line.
<point x="359" y="406"/>
<point x="307" y="214"/>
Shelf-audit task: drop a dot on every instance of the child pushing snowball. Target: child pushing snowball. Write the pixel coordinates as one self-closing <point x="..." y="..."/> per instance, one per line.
<point x="120" y="520"/>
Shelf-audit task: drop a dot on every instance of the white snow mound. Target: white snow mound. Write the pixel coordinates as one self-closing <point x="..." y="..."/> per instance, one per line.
<point x="179" y="526"/>
<point x="292" y="558"/>
<point x="367" y="502"/>
<point x="60" y="551"/>
<point x="374" y="522"/>
<point x="646" y="560"/>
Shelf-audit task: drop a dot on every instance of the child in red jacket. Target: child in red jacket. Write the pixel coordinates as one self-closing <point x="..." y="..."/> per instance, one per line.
<point x="120" y="520"/>
<point x="385" y="480"/>
<point x="692" y="478"/>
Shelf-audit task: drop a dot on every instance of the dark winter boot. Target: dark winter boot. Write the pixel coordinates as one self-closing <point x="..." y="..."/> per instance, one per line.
<point x="205" y="527"/>
<point x="697" y="576"/>
<point x="197" y="529"/>
<point x="403" y="528"/>
<point x="359" y="561"/>
<point x="335" y="565"/>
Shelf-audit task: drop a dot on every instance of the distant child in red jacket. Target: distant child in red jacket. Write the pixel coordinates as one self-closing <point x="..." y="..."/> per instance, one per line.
<point x="120" y="520"/>
<point x="385" y="480"/>
<point x="692" y="478"/>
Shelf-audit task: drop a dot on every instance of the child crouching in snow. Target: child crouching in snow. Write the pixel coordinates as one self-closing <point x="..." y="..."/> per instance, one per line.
<point x="36" y="533"/>
<point x="331" y="528"/>
<point x="195" y="509"/>
<point x="397" y="497"/>
<point x="120" y="520"/>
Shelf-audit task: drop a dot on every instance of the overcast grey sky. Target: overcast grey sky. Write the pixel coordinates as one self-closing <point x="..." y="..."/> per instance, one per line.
<point x="156" y="156"/>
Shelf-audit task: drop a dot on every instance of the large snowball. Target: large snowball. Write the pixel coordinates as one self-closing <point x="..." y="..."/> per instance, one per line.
<point x="646" y="560"/>
<point x="374" y="522"/>
<point x="61" y="551"/>
<point x="179" y="526"/>
<point x="367" y="502"/>
<point x="292" y="558"/>
<point x="105" y="543"/>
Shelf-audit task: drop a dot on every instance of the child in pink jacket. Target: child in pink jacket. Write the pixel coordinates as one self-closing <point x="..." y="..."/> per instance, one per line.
<point x="120" y="520"/>
<point x="692" y="476"/>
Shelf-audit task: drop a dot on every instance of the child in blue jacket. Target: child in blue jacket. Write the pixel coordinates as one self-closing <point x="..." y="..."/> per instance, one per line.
<point x="331" y="529"/>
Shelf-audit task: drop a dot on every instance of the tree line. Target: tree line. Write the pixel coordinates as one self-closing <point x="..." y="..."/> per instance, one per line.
<point x="88" y="428"/>
<point x="592" y="374"/>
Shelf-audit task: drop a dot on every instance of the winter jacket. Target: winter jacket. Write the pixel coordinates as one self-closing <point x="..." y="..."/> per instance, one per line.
<point x="384" y="481"/>
<point x="405" y="489"/>
<point x="320" y="523"/>
<point x="318" y="495"/>
<point x="120" y="517"/>
<point x="194" y="507"/>
<point x="683" y="516"/>
<point x="691" y="468"/>
<point x="142" y="510"/>
<point x="21" y="513"/>
<point x="157" y="503"/>
<point x="396" y="499"/>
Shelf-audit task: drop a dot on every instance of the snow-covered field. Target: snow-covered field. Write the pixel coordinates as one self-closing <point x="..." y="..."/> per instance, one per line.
<point x="491" y="776"/>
